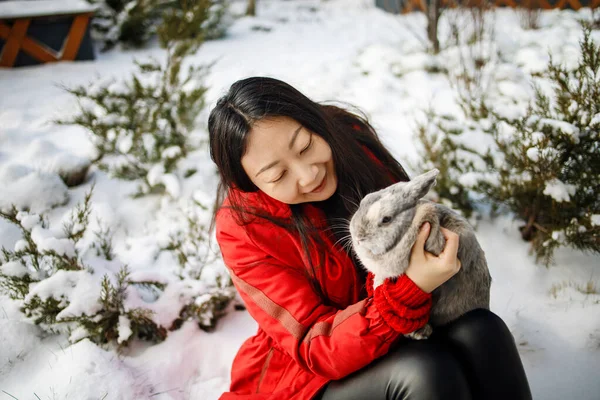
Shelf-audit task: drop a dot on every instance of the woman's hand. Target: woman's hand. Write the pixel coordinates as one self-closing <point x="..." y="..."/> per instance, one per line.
<point x="425" y="269"/>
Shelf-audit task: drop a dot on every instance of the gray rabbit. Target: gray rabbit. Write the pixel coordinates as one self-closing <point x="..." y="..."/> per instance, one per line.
<point x="384" y="229"/>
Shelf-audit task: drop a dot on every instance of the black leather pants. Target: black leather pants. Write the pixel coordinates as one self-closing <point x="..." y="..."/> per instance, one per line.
<point x="474" y="357"/>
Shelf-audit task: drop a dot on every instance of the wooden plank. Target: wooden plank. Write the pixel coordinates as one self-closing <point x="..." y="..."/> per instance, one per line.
<point x="13" y="42"/>
<point x="4" y="30"/>
<point x="508" y="3"/>
<point x="574" y="4"/>
<point x="75" y="36"/>
<point x="37" y="50"/>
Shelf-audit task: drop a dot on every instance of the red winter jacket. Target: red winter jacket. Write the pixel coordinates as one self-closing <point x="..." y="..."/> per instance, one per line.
<point x="301" y="343"/>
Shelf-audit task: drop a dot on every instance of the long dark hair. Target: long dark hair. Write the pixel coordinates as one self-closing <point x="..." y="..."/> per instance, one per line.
<point x="253" y="99"/>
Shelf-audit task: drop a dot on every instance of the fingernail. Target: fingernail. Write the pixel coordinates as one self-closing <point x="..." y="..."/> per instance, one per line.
<point x="426" y="226"/>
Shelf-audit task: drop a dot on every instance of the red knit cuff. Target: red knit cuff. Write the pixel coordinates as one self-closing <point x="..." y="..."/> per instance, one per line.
<point x="369" y="284"/>
<point x="406" y="292"/>
<point x="403" y="289"/>
<point x="402" y="304"/>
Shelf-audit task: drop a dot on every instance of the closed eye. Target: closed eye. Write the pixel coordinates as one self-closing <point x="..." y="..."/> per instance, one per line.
<point x="308" y="145"/>
<point x="280" y="177"/>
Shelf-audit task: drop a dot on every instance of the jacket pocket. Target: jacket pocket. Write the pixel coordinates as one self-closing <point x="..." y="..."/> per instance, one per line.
<point x="274" y="369"/>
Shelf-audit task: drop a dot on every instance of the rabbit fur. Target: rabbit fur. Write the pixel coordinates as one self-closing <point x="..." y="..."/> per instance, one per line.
<point x="385" y="228"/>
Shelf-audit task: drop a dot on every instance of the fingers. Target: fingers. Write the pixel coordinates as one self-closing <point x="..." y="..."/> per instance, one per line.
<point x="451" y="249"/>
<point x="418" y="249"/>
<point x="424" y="233"/>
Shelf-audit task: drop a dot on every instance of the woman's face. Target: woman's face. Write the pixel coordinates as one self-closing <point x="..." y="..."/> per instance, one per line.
<point x="288" y="162"/>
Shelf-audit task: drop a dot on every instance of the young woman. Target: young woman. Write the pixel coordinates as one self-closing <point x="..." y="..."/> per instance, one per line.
<point x="292" y="173"/>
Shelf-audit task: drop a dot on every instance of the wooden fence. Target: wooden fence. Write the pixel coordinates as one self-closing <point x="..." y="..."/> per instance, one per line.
<point x="404" y="6"/>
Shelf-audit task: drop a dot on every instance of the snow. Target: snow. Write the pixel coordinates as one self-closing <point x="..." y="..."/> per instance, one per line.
<point x="16" y="9"/>
<point x="78" y="289"/>
<point x="559" y="191"/>
<point x="124" y="329"/>
<point x="18" y="340"/>
<point x="533" y="153"/>
<point x="155" y="173"/>
<point x="171" y="152"/>
<point x="125" y="143"/>
<point x="13" y="268"/>
<point x="345" y="50"/>
<point x="25" y="188"/>
<point x="28" y="221"/>
<point x="171" y="183"/>
<point x="562" y="126"/>
<point x="21" y="245"/>
<point x="80" y="371"/>
<point x="45" y="156"/>
<point x="46" y="241"/>
<point x="78" y="334"/>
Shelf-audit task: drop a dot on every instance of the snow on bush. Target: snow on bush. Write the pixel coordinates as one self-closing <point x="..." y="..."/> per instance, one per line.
<point x="541" y="166"/>
<point x="133" y="22"/>
<point x="141" y="126"/>
<point x="70" y="280"/>
<point x="199" y="261"/>
<point x="67" y="284"/>
<point x="28" y="189"/>
<point x="44" y="156"/>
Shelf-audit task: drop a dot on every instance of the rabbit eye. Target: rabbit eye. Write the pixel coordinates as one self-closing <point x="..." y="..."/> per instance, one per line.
<point x="386" y="220"/>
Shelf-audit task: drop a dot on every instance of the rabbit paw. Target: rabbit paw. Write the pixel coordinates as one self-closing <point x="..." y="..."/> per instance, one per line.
<point x="421" y="334"/>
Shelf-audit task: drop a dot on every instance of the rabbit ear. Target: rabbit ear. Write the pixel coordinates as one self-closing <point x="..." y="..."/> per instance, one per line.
<point x="420" y="185"/>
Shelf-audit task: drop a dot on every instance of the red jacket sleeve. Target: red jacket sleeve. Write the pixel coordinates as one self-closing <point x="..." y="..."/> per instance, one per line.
<point x="328" y="341"/>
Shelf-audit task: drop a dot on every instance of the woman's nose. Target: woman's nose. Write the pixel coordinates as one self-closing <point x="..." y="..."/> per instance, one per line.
<point x="307" y="175"/>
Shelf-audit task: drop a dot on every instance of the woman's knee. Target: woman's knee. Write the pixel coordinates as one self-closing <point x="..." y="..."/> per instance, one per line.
<point x="478" y="325"/>
<point x="427" y="370"/>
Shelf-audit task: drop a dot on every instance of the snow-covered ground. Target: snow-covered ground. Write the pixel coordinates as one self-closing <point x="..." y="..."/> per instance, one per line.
<point x="343" y="50"/>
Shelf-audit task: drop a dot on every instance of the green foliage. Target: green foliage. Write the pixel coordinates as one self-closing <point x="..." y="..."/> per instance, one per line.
<point x="550" y="176"/>
<point x="104" y="326"/>
<point x="50" y="269"/>
<point x="190" y="245"/>
<point x="208" y="308"/>
<point x="133" y="22"/>
<point x="141" y="126"/>
<point x="184" y="22"/>
<point x="442" y="148"/>
<point x="542" y="167"/>
<point x="144" y="123"/>
<point x="44" y="312"/>
<point x="35" y="264"/>
<point x="103" y="242"/>
<point x="128" y="22"/>
<point x="45" y="268"/>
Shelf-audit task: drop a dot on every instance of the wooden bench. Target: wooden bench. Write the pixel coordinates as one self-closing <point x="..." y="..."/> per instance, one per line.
<point x="41" y="31"/>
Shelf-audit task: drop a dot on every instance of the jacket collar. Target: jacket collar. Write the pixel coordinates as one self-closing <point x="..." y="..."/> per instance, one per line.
<point x="260" y="201"/>
<point x="264" y="203"/>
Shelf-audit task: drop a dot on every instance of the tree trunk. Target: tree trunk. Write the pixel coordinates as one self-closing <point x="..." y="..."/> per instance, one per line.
<point x="433" y="16"/>
<point x="251" y="9"/>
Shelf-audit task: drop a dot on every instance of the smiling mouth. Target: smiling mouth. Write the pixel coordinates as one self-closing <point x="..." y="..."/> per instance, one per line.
<point x="321" y="185"/>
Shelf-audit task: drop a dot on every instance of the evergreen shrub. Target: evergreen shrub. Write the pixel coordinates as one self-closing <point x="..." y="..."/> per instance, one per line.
<point x="542" y="166"/>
